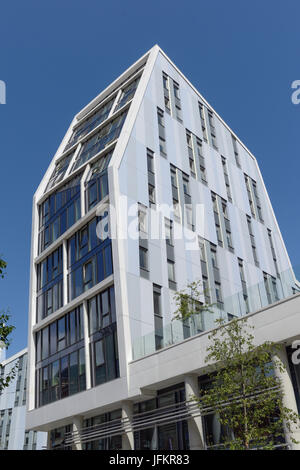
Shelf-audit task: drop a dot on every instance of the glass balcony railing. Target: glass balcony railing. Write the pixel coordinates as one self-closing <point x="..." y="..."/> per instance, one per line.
<point x="236" y="305"/>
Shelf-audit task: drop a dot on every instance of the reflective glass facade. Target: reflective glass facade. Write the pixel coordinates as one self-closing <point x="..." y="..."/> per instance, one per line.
<point x="59" y="212"/>
<point x="89" y="259"/>
<point x="50" y="284"/>
<point x="90" y="123"/>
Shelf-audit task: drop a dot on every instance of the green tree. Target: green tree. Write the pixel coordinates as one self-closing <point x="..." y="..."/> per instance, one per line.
<point x="5" y="331"/>
<point x="243" y="391"/>
<point x="2" y="267"/>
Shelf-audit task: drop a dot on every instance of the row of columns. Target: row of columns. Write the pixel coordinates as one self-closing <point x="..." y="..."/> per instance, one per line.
<point x="195" y="428"/>
<point x="195" y="424"/>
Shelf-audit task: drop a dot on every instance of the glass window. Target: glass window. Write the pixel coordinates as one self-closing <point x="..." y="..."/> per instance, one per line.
<point x="55" y="381"/>
<point x="45" y="385"/>
<point x="176" y="90"/>
<point x="100" y="371"/>
<point x="150" y="162"/>
<point x="214" y="257"/>
<point x="53" y="338"/>
<point x="171" y="270"/>
<point x="186" y="188"/>
<point x="103" y="186"/>
<point x="142" y="215"/>
<point x="82" y="379"/>
<point x="99" y="353"/>
<point x="99" y="141"/>
<point x="160" y="116"/>
<point x="92" y="194"/>
<point x="128" y="93"/>
<point x="165" y="81"/>
<point x="169" y="232"/>
<point x="72" y="327"/>
<point x="59" y="171"/>
<point x="173" y="177"/>
<point x="110" y="357"/>
<point x="91" y="123"/>
<point x="93" y="315"/>
<point x="202" y="251"/>
<point x="83" y="241"/>
<point x="56" y="297"/>
<point x="105" y="309"/>
<point x="49" y="302"/>
<point x="156" y="302"/>
<point x="64" y="376"/>
<point x="61" y="333"/>
<point x="74" y="373"/>
<point x="151" y="191"/>
<point x="77" y="282"/>
<point x="143" y="258"/>
<point x="167" y="437"/>
<point x="71" y="215"/>
<point x="108" y="261"/>
<point x="112" y="304"/>
<point x="45" y="343"/>
<point x="88" y="275"/>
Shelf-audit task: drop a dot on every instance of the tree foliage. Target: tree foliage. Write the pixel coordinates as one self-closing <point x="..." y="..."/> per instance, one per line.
<point x="5" y="331"/>
<point x="244" y="392"/>
<point x="189" y="302"/>
<point x="2" y="267"/>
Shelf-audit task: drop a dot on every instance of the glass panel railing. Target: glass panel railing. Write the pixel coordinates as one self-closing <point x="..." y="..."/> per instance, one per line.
<point x="235" y="305"/>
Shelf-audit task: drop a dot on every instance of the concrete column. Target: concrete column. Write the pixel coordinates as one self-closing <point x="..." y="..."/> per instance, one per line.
<point x="196" y="433"/>
<point x="87" y="345"/>
<point x="49" y="440"/>
<point x="77" y="426"/>
<point x="127" y="437"/>
<point x="289" y="400"/>
<point x="65" y="272"/>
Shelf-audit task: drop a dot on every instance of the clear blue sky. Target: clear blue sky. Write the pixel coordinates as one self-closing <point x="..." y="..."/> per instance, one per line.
<point x="57" y="55"/>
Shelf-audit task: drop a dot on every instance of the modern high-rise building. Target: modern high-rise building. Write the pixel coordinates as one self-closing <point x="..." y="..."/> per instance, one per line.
<point x="149" y="190"/>
<point x="13" y="407"/>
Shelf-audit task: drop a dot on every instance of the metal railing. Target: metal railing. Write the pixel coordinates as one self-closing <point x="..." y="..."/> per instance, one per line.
<point x="169" y="414"/>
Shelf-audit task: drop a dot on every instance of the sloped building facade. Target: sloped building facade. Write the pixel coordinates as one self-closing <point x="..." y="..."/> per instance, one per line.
<point x="149" y="190"/>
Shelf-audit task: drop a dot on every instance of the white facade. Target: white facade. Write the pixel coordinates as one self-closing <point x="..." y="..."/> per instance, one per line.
<point x="187" y="158"/>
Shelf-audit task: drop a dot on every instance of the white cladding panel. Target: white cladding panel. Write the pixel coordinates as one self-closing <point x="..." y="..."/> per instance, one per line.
<point x="134" y="183"/>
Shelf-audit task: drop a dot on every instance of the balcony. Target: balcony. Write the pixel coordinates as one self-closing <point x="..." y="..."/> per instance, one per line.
<point x="178" y="331"/>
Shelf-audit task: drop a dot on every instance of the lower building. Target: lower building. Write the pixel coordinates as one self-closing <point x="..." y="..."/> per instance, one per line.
<point x="13" y="409"/>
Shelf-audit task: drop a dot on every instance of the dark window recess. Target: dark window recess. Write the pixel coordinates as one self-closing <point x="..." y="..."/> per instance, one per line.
<point x="49" y="284"/>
